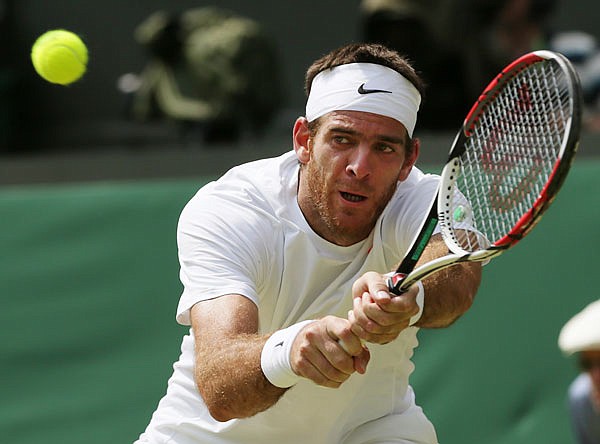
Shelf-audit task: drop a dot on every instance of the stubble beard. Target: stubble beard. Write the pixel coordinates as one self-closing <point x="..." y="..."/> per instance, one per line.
<point x="330" y="225"/>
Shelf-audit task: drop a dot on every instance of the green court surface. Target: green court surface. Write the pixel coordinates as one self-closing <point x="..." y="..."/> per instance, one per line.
<point x="89" y="287"/>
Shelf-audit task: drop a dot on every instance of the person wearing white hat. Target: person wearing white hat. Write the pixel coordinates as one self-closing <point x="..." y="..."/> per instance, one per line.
<point x="581" y="336"/>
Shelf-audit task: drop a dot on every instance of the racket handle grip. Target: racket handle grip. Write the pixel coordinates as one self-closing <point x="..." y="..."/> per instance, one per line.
<point x="394" y="282"/>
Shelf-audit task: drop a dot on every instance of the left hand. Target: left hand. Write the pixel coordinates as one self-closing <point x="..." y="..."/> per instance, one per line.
<point x="379" y="316"/>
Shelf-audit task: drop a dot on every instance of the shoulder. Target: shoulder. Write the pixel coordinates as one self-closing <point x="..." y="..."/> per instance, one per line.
<point x="417" y="189"/>
<point x="417" y="179"/>
<point x="254" y="188"/>
<point x="241" y="209"/>
<point x="580" y="388"/>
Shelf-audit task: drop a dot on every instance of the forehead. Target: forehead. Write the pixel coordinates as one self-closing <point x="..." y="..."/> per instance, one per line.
<point x="363" y="122"/>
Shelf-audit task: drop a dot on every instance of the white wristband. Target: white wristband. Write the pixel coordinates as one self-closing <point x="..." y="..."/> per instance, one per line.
<point x="275" y="356"/>
<point x="420" y="303"/>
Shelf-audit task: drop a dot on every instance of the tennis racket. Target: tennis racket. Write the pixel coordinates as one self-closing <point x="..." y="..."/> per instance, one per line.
<point x="506" y="165"/>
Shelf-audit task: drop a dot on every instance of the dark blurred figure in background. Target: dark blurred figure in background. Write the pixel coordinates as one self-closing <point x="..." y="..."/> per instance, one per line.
<point x="409" y="27"/>
<point x="581" y="336"/>
<point x="459" y="46"/>
<point x="8" y="78"/>
<point x="212" y="71"/>
<point x="522" y="26"/>
<point x="582" y="49"/>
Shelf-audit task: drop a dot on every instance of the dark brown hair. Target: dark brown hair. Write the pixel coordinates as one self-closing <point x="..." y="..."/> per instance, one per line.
<point x="364" y="53"/>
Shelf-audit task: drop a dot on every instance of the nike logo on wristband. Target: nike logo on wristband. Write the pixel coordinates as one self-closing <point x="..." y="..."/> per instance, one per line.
<point x="279" y="344"/>
<point x="362" y="90"/>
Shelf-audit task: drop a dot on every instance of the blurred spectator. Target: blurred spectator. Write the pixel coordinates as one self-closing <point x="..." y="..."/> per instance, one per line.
<point x="460" y="45"/>
<point x="582" y="49"/>
<point x="209" y="69"/>
<point x="411" y="27"/>
<point x="581" y="336"/>
<point x="8" y="77"/>
<point x="522" y="26"/>
<point x="449" y="42"/>
<point x="519" y="26"/>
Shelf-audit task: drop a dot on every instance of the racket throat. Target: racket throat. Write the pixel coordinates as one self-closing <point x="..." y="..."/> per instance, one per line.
<point x="394" y="283"/>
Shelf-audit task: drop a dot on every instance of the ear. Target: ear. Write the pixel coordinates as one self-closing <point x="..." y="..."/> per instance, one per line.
<point x="301" y="139"/>
<point x="410" y="160"/>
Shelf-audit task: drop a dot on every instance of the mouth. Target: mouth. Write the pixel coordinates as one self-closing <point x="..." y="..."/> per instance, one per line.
<point x="354" y="198"/>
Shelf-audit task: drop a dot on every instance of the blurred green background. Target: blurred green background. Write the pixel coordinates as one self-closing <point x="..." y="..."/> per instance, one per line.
<point x="89" y="203"/>
<point x="89" y="286"/>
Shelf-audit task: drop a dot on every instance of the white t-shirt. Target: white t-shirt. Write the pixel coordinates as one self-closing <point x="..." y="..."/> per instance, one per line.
<point x="245" y="234"/>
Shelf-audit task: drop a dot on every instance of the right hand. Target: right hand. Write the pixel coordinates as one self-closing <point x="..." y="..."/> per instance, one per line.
<point x="317" y="355"/>
<point x="377" y="315"/>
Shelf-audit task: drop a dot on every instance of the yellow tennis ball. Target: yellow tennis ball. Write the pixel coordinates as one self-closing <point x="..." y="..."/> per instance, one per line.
<point x="59" y="56"/>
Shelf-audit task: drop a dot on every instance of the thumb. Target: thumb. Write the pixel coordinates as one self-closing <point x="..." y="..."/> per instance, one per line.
<point x="379" y="291"/>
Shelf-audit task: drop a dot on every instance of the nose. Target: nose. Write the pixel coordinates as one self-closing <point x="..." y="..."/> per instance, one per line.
<point x="359" y="163"/>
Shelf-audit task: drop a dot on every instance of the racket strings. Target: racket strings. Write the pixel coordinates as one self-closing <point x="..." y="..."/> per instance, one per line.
<point x="511" y="154"/>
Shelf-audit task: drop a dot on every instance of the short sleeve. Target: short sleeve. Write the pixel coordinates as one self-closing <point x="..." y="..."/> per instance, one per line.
<point x="222" y="247"/>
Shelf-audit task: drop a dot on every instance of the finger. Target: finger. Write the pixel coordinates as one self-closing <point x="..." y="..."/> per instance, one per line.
<point x="363" y="326"/>
<point x="360" y="317"/>
<point x="362" y="358"/>
<point x="375" y="319"/>
<point x="378" y="289"/>
<point x="372" y="283"/>
<point x="371" y="324"/>
<point x="329" y="346"/>
<point x="380" y="320"/>
<point x="314" y="365"/>
<point x="355" y="327"/>
<point x="351" y="343"/>
<point x="335" y="363"/>
<point x="404" y="304"/>
<point x="381" y="296"/>
<point x="308" y="370"/>
<point x="361" y="361"/>
<point x="351" y="348"/>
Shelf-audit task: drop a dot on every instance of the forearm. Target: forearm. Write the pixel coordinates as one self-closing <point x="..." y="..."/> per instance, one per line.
<point x="228" y="349"/>
<point x="230" y="379"/>
<point x="449" y="293"/>
<point x="229" y="373"/>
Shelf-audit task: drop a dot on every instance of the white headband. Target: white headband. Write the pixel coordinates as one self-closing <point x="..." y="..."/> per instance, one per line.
<point x="367" y="87"/>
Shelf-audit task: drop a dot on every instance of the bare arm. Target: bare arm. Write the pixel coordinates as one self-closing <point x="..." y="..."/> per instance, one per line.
<point x="450" y="292"/>
<point x="378" y="317"/>
<point x="228" y="371"/>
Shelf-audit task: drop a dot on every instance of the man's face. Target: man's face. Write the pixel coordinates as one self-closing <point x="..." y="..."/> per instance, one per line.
<point x="590" y="362"/>
<point x="350" y="169"/>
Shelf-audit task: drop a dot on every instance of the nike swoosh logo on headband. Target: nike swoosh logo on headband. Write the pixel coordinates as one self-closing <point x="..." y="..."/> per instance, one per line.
<point x="362" y="90"/>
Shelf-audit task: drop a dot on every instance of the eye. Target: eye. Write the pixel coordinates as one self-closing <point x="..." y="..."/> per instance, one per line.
<point x="341" y="140"/>
<point x="385" y="148"/>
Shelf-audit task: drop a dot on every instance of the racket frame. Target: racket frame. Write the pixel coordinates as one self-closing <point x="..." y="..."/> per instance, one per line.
<point x="406" y="274"/>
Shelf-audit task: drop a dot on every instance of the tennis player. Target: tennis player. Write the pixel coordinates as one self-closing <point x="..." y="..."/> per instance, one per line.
<point x="283" y="265"/>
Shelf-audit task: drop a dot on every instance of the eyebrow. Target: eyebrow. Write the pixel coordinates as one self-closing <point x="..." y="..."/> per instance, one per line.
<point x="383" y="138"/>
